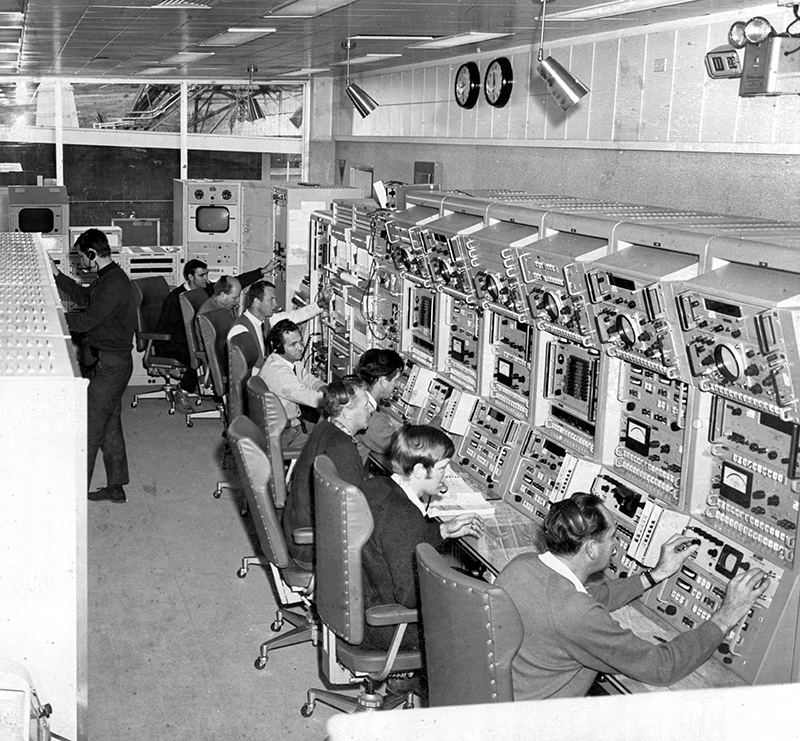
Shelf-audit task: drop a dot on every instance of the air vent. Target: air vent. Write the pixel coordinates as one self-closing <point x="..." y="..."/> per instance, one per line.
<point x="192" y="4"/>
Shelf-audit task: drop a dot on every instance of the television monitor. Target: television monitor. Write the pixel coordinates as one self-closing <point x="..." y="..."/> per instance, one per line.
<point x="212" y="219"/>
<point x="36" y="219"/>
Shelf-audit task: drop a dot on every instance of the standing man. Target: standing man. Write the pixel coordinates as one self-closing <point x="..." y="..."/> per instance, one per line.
<point x="420" y="455"/>
<point x="570" y="635"/>
<point x="380" y="369"/>
<point x="195" y="274"/>
<point x="263" y="314"/>
<point x="299" y="390"/>
<point x="346" y="412"/>
<point x="108" y="324"/>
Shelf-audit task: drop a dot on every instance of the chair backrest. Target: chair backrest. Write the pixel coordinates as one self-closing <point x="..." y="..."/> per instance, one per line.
<point x="242" y="356"/>
<point x="342" y="524"/>
<point x="214" y="327"/>
<point x="149" y="294"/>
<point x="249" y="450"/>
<point x="266" y="410"/>
<point x="191" y="301"/>
<point x="472" y="631"/>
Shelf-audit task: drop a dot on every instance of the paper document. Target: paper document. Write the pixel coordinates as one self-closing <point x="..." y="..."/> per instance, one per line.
<point x="459" y="498"/>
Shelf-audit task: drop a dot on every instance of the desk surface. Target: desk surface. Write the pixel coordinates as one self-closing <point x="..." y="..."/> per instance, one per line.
<point x="510" y="533"/>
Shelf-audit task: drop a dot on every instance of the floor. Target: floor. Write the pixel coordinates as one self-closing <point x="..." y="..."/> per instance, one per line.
<point x="173" y="632"/>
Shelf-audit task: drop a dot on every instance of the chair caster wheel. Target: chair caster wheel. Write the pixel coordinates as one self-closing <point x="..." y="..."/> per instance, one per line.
<point x="189" y="423"/>
<point x="242" y="573"/>
<point x="260" y="663"/>
<point x="307" y="710"/>
<point x="134" y="404"/>
<point x="217" y="493"/>
<point x="276" y="626"/>
<point x="171" y="411"/>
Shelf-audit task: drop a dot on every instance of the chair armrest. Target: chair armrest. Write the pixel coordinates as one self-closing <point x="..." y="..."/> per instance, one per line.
<point x="154" y="337"/>
<point x="201" y="356"/>
<point x="303" y="535"/>
<point x="391" y="615"/>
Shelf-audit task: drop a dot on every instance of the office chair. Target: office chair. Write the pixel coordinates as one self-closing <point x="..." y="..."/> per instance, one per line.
<point x="242" y="356"/>
<point x="190" y="302"/>
<point x="149" y="294"/>
<point x="213" y="328"/>
<point x="293" y="584"/>
<point x="471" y="630"/>
<point x="268" y="413"/>
<point x="343" y="525"/>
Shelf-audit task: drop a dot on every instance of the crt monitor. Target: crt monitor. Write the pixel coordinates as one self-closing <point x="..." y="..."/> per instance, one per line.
<point x="212" y="219"/>
<point x="36" y="219"/>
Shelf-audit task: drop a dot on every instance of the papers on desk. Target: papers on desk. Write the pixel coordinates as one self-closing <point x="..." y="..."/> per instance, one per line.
<point x="460" y="498"/>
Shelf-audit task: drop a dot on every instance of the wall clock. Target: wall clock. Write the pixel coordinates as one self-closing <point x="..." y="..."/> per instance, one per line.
<point x="467" y="85"/>
<point x="498" y="81"/>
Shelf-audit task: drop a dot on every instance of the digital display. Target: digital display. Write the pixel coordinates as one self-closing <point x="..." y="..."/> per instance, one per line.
<point x="457" y="349"/>
<point x="728" y="561"/>
<point x="496" y="414"/>
<point x="212" y="219"/>
<point x="618" y="282"/>
<point x="36" y="220"/>
<point x="554" y="449"/>
<point x="505" y="372"/>
<point x="637" y="437"/>
<point x="719" y="307"/>
<point x="776" y="423"/>
<point x="736" y="485"/>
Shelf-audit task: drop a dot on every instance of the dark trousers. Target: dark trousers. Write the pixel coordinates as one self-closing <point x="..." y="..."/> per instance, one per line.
<point x="107" y="382"/>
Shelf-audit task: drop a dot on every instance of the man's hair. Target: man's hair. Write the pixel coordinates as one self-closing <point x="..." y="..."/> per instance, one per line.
<point x="95" y="240"/>
<point x="256" y="290"/>
<point x="276" y="334"/>
<point x="419" y="444"/>
<point x="338" y="394"/>
<point x="191" y="267"/>
<point x="571" y="522"/>
<point x="224" y="285"/>
<point x="378" y="363"/>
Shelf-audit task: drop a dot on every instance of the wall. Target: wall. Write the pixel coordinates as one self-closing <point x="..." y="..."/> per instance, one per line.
<point x="673" y="137"/>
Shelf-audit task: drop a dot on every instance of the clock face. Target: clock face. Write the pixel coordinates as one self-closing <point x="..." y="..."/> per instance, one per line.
<point x="498" y="82"/>
<point x="467" y="85"/>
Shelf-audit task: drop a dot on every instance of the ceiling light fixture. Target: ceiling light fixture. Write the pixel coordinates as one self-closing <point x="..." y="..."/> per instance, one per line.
<point x="237" y="36"/>
<point x="609" y="10"/>
<point x="389" y="37"/>
<point x="187" y="57"/>
<point x="366" y="59"/>
<point x="562" y="85"/>
<point x="305" y="71"/>
<point x="306" y="8"/>
<point x="361" y="100"/>
<point x="459" y="39"/>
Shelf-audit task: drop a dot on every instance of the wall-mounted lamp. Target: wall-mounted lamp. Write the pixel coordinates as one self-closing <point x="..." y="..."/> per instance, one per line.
<point x="755" y="31"/>
<point x="361" y="100"/>
<point x="562" y="85"/>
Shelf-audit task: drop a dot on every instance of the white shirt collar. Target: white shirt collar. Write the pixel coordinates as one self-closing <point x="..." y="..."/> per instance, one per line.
<point x="413" y="498"/>
<point x="253" y="319"/>
<point x="549" y="560"/>
<point x="372" y="402"/>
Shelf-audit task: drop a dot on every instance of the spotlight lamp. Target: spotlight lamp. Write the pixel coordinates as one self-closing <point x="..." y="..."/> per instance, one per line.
<point x="755" y="31"/>
<point x="561" y="83"/>
<point x="736" y="37"/>
<point x="360" y="99"/>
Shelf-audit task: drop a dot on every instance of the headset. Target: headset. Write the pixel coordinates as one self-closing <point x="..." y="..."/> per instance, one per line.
<point x="337" y="391"/>
<point x="276" y="334"/>
<point x="576" y="522"/>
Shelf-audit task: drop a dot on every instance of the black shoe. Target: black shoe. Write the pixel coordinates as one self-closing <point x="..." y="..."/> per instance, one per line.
<point x="111" y="493"/>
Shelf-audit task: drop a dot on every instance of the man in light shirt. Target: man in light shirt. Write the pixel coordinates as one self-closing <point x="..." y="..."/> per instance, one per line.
<point x="285" y="376"/>
<point x="262" y="314"/>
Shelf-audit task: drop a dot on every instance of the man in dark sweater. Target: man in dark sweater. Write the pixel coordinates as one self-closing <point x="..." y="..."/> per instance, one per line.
<point x="570" y="635"/>
<point x="346" y="411"/>
<point x="420" y="455"/>
<point x="107" y="323"/>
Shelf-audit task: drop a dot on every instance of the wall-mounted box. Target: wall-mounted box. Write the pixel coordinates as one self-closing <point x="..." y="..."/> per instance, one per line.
<point x="771" y="68"/>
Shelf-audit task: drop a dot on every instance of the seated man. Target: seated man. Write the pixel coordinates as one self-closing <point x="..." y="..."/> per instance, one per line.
<point x="569" y="634"/>
<point x="255" y="320"/>
<point x="285" y="376"/>
<point x="195" y="273"/>
<point x="379" y="369"/>
<point x="346" y="411"/>
<point x="419" y="455"/>
<point x="227" y="291"/>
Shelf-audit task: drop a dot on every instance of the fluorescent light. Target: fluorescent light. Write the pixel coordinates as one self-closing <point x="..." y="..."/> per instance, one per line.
<point x="397" y="37"/>
<point x="304" y="72"/>
<point x="607" y="10"/>
<point x="185" y="57"/>
<point x="306" y="8"/>
<point x="459" y="39"/>
<point x="367" y="58"/>
<point x="237" y="36"/>
<point x="179" y="5"/>
<point x="156" y="70"/>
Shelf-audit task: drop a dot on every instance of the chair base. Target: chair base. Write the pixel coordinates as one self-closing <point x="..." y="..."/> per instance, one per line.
<point x="249" y="561"/>
<point x="207" y="414"/>
<point x="166" y="392"/>
<point x="366" y="701"/>
<point x="305" y="629"/>
<point x="222" y="486"/>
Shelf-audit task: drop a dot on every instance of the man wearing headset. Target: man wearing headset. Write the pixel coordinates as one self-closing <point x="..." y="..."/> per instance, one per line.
<point x="346" y="411"/>
<point x="108" y="323"/>
<point x="285" y="376"/>
<point x="570" y="635"/>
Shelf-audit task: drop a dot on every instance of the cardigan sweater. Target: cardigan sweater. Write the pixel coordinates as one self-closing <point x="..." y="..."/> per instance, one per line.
<point x="570" y="637"/>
